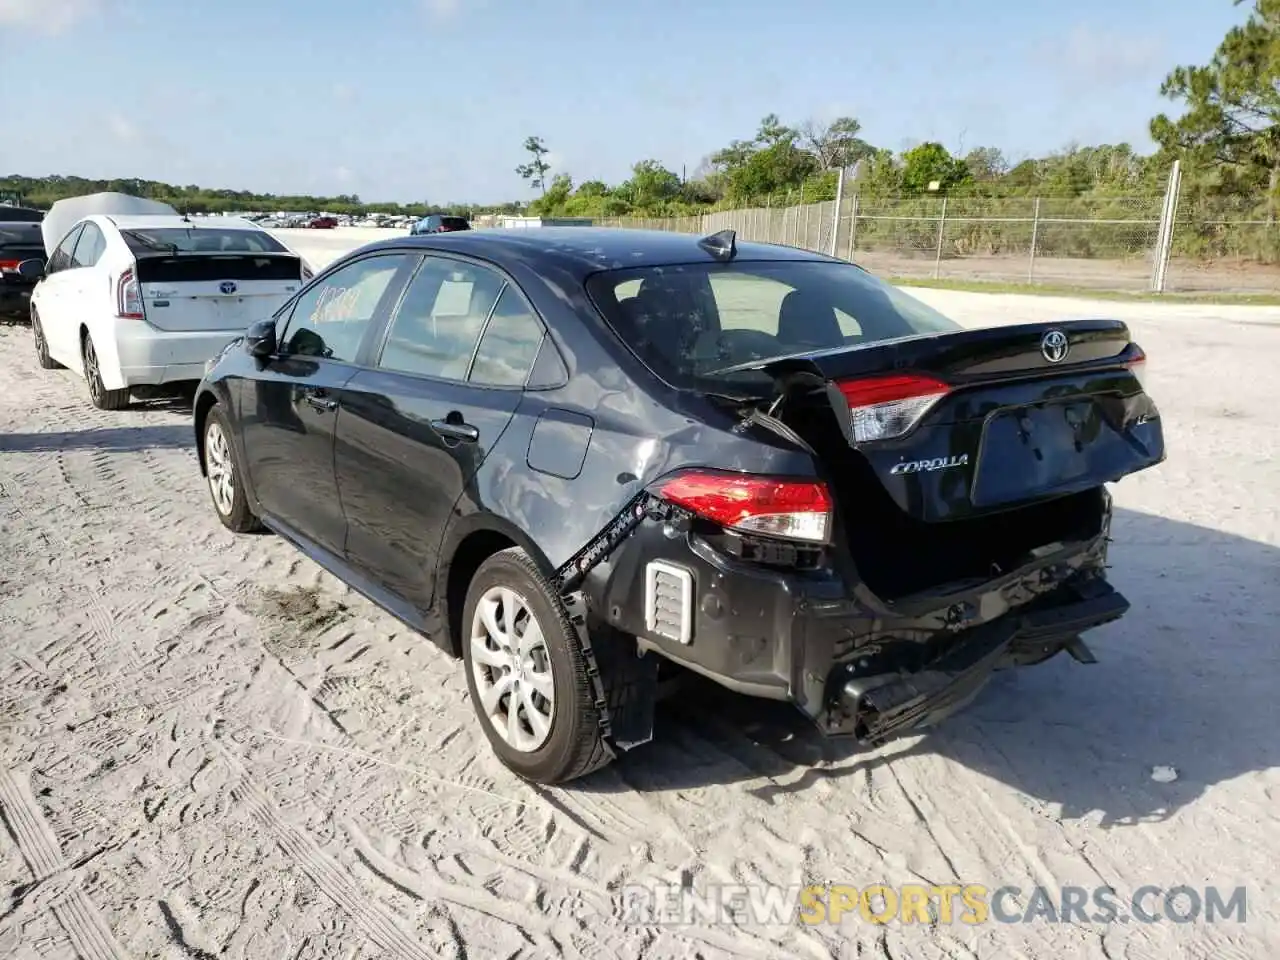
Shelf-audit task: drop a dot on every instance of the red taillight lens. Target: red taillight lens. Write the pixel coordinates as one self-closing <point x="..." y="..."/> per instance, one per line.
<point x="128" y="297"/>
<point x="885" y="407"/>
<point x="770" y="506"/>
<point x="9" y="266"/>
<point x="1137" y="365"/>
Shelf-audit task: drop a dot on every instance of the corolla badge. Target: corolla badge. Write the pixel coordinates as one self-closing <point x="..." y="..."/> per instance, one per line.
<point x="928" y="466"/>
<point x="1055" y="346"/>
<point x="227" y="287"/>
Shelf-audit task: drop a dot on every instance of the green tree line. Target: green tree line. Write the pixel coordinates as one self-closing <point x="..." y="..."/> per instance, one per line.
<point x="1226" y="134"/>
<point x="41" y="192"/>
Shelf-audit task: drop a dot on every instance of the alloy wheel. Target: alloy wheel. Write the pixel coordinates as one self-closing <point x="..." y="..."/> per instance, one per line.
<point x="91" y="370"/>
<point x="220" y="469"/>
<point x="512" y="669"/>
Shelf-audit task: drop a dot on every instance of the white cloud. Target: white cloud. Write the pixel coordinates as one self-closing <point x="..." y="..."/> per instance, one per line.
<point x="49" y="17"/>
<point x="122" y="129"/>
<point x="1101" y="57"/>
<point x="441" y="9"/>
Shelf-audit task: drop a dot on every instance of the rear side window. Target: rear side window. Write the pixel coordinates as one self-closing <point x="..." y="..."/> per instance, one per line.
<point x="509" y="345"/>
<point x="688" y="322"/>
<point x="331" y="318"/>
<point x="20" y="215"/>
<point x="440" y="318"/>
<point x="90" y="247"/>
<point x="201" y="240"/>
<point x="454" y="223"/>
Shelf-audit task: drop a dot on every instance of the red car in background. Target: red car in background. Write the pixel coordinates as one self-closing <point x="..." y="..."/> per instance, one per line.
<point x="323" y="223"/>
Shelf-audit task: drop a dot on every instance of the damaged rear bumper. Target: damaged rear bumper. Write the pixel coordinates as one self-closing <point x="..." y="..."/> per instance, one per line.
<point x="874" y="708"/>
<point x="854" y="664"/>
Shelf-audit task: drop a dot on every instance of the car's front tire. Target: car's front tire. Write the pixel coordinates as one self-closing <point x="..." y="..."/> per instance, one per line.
<point x="101" y="397"/>
<point x="42" y="345"/>
<point x="527" y="673"/>
<point x="223" y="473"/>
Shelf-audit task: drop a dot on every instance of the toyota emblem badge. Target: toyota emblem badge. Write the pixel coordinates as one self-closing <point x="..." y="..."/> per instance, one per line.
<point x="1055" y="346"/>
<point x="227" y="287"/>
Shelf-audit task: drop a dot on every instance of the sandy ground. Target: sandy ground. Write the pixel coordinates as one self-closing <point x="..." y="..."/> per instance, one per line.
<point x="211" y="748"/>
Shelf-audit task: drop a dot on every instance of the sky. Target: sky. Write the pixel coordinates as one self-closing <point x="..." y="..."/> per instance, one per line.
<point x="431" y="100"/>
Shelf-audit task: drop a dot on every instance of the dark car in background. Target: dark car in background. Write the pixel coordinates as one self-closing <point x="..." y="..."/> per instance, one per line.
<point x="21" y="242"/>
<point x="439" y="223"/>
<point x="571" y="455"/>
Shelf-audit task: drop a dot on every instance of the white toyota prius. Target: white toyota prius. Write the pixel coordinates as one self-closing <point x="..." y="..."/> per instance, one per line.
<point x="144" y="300"/>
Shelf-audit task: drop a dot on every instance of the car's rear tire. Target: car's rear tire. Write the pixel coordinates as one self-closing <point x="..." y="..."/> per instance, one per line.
<point x="522" y="654"/>
<point x="42" y="345"/>
<point x="99" y="395"/>
<point x="225" y="478"/>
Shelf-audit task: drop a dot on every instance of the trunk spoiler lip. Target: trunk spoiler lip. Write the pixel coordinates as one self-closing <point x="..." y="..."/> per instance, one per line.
<point x="194" y="254"/>
<point x="809" y="361"/>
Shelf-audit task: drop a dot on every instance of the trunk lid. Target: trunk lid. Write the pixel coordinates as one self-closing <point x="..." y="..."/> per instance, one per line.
<point x="215" y="291"/>
<point x="966" y="423"/>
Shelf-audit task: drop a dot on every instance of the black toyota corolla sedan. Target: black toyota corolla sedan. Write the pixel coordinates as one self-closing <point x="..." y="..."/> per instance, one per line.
<point x="572" y="456"/>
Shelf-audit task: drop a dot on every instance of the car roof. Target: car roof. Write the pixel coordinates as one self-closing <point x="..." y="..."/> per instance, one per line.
<point x="161" y="221"/>
<point x="587" y="250"/>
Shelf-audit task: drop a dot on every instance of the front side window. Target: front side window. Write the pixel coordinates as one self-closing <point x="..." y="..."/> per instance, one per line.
<point x="90" y="246"/>
<point x="688" y="322"/>
<point x="440" y="318"/>
<point x="61" y="258"/>
<point x="331" y="318"/>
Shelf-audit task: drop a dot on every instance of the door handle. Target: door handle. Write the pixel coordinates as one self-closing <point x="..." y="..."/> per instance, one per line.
<point x="456" y="430"/>
<point x="320" y="401"/>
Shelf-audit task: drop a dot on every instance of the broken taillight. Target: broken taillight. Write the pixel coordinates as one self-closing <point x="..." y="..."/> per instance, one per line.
<point x="885" y="407"/>
<point x="790" y="508"/>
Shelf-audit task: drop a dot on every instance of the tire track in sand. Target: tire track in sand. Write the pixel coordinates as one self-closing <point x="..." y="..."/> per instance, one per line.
<point x="101" y="620"/>
<point x="378" y="923"/>
<point x="87" y="931"/>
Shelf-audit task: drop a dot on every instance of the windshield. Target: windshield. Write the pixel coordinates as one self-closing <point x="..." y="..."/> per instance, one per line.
<point x="690" y="322"/>
<point x="201" y="240"/>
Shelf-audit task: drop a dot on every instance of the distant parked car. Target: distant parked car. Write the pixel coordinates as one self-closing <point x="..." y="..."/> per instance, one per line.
<point x="22" y="259"/>
<point x="129" y="301"/>
<point x="322" y="223"/>
<point x="437" y="223"/>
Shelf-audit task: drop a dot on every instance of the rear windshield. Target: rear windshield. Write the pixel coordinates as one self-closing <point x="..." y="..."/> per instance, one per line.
<point x="454" y="223"/>
<point x="187" y="269"/>
<point x="688" y="322"/>
<point x="200" y="240"/>
<point x="22" y="242"/>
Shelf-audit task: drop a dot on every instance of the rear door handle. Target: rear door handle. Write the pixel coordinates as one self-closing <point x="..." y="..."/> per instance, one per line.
<point x="456" y="430"/>
<point x="321" y="401"/>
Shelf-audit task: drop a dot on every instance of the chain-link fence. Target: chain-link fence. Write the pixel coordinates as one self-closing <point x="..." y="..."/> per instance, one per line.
<point x="1108" y="243"/>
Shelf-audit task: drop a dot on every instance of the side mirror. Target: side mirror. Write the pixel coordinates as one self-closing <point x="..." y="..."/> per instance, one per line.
<point x="260" y="339"/>
<point x="32" y="269"/>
